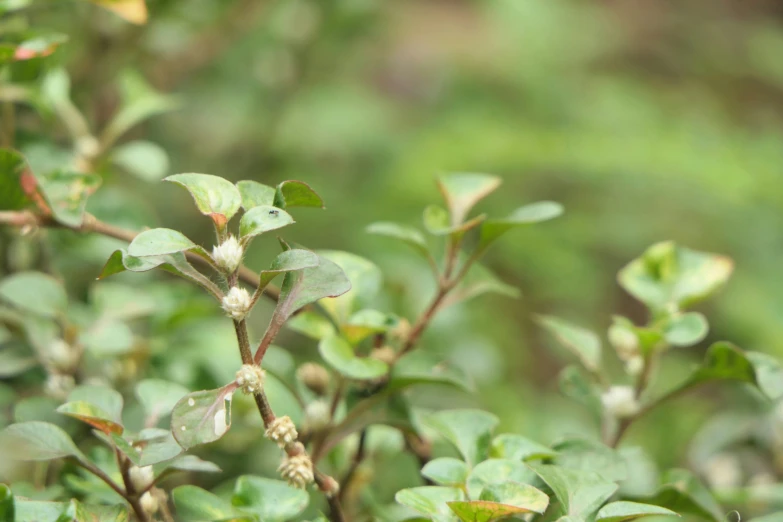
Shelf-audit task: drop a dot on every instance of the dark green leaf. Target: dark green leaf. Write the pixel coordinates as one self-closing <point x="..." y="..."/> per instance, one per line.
<point x="297" y="194"/>
<point x="365" y="283"/>
<point x="202" y="417"/>
<point x="582" y="342"/>
<point x="624" y="511"/>
<point x="35" y="292"/>
<point x="37" y="441"/>
<point x="262" y="219"/>
<point x="288" y="261"/>
<point x="340" y="355"/>
<point x="446" y="471"/>
<point x="271" y="500"/>
<point x="469" y="430"/>
<point x="7" y="511"/>
<point x="255" y="194"/>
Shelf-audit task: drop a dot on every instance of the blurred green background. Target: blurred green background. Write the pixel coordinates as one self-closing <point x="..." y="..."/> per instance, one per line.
<point x="649" y="120"/>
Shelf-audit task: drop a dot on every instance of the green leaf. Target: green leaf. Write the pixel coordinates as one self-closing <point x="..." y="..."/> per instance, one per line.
<point x="497" y="471"/>
<point x="139" y="100"/>
<point x="92" y="415"/>
<point x="408" y="235"/>
<point x="436" y="221"/>
<point x="133" y="11"/>
<point x="581" y="342"/>
<point x="15" y="360"/>
<point x="270" y="500"/>
<point x="7" y="511"/>
<point x="576" y="385"/>
<point x="683" y="493"/>
<point x="297" y="194"/>
<point x="255" y="194"/>
<point x="623" y="511"/>
<point x="365" y="283"/>
<point x="192" y="463"/>
<point x="202" y="417"/>
<point x="66" y="194"/>
<point x="38" y="511"/>
<point x="522" y="496"/>
<point x="516" y="447"/>
<point x="197" y="505"/>
<point x="303" y="287"/>
<point x="37" y="440"/>
<point x="430" y="501"/>
<point x="685" y="329"/>
<point x="340" y="355"/>
<point x="288" y="261"/>
<point x="581" y="493"/>
<point x="478" y="281"/>
<point x="590" y="455"/>
<point x="421" y="367"/>
<point x="462" y="191"/>
<point x="144" y="159"/>
<point x="492" y="229"/>
<point x="769" y="374"/>
<point x="158" y="445"/>
<point x="483" y="510"/>
<point x="446" y="471"/>
<point x="723" y="361"/>
<point x="108" y="337"/>
<point x="17" y="182"/>
<point x="669" y="278"/>
<point x="311" y="324"/>
<point x="159" y="242"/>
<point x="214" y="196"/>
<point x="35" y="292"/>
<point x="159" y="397"/>
<point x="365" y="323"/>
<point x="103" y="397"/>
<point x="262" y="218"/>
<point x="469" y="430"/>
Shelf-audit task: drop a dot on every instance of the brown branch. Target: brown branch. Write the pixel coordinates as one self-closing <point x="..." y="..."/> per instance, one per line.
<point x="355" y="463"/>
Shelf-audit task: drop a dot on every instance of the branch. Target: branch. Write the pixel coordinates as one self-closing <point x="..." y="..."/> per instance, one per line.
<point x="91" y="224"/>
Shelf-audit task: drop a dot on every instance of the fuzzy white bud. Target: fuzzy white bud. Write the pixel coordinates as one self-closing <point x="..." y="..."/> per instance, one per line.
<point x="624" y="341"/>
<point x="59" y="385"/>
<point x="149" y="503"/>
<point x="228" y="254"/>
<point x="250" y="378"/>
<point x="723" y="471"/>
<point x="282" y="431"/>
<point x="314" y="376"/>
<point x="634" y="365"/>
<point x="236" y="303"/>
<point x="297" y="470"/>
<point x="317" y="415"/>
<point x="62" y="355"/>
<point x="141" y="477"/>
<point x="620" y="401"/>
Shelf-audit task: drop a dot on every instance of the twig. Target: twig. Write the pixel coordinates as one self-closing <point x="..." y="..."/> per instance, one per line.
<point x="131" y="499"/>
<point x="357" y="460"/>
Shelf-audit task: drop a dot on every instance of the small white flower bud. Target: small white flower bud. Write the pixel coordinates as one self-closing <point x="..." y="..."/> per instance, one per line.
<point x="297" y="470"/>
<point x="88" y="146"/>
<point x="228" y="254"/>
<point x="634" y="365"/>
<point x="62" y="355"/>
<point x="59" y="385"/>
<point x="385" y="354"/>
<point x="314" y="376"/>
<point x="282" y="431"/>
<point x="236" y="303"/>
<point x="141" y="477"/>
<point x="149" y="503"/>
<point x="723" y="471"/>
<point x="620" y="401"/>
<point x="250" y="378"/>
<point x="624" y="341"/>
<point x="317" y="415"/>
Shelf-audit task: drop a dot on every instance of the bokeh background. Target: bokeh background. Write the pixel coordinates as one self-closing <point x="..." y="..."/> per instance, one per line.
<point x="648" y="119"/>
